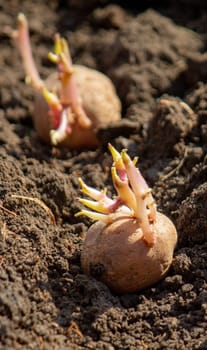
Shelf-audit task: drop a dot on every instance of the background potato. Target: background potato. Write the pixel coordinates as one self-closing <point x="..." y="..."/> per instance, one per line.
<point x="99" y="101"/>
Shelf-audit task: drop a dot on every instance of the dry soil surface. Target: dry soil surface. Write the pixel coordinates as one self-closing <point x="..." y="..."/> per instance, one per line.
<point x="156" y="56"/>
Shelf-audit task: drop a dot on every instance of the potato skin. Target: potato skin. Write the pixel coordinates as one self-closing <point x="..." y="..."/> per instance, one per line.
<point x="117" y="255"/>
<point x="99" y="100"/>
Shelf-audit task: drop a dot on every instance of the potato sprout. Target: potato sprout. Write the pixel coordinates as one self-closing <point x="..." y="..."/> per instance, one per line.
<point x="73" y="102"/>
<point x="131" y="245"/>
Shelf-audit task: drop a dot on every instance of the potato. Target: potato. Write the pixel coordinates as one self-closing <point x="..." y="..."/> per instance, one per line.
<point x="131" y="246"/>
<point x="117" y="254"/>
<point x="72" y="103"/>
<point x="99" y="100"/>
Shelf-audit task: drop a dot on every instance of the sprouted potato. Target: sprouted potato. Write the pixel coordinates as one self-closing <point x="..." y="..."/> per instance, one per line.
<point x="131" y="245"/>
<point x="73" y="102"/>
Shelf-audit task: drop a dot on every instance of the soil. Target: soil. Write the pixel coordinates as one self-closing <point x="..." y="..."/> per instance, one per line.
<point x="156" y="56"/>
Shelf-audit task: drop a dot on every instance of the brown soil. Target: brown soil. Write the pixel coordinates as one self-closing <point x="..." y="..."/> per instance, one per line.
<point x="156" y="58"/>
